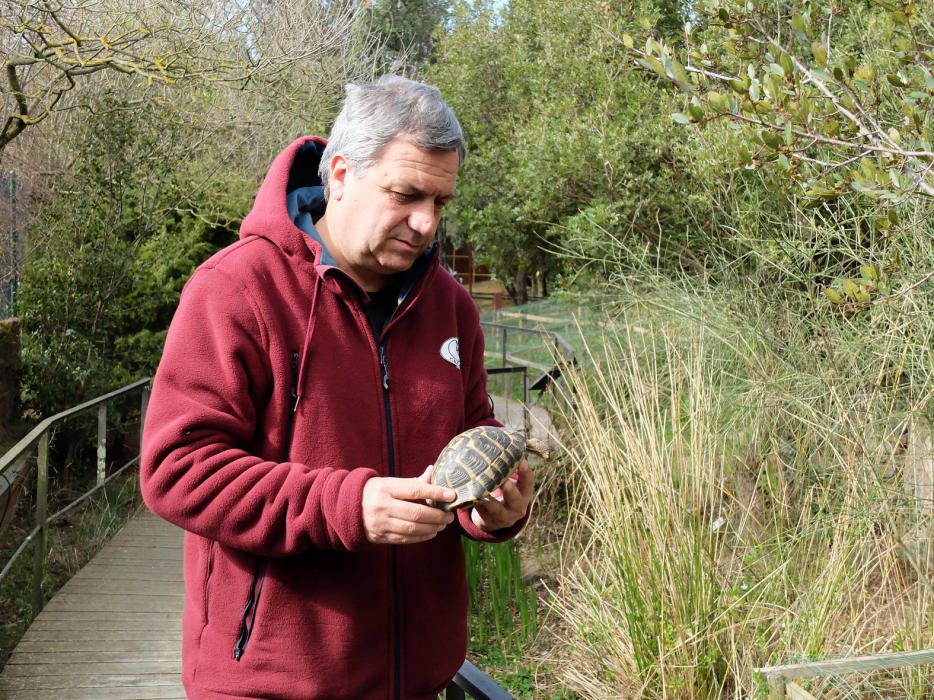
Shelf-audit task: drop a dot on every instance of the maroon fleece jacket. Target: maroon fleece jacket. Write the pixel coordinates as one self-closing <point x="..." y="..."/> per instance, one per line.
<point x="269" y="412"/>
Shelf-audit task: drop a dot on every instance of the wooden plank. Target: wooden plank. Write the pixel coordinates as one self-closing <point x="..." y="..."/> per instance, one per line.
<point x="39" y="646"/>
<point x="110" y="586"/>
<point x="119" y="603"/>
<point x="535" y="318"/>
<point x="166" y="541"/>
<point x="127" y="574"/>
<point x="117" y="636"/>
<point x="138" y="587"/>
<point x="140" y="559"/>
<point x="124" y="552"/>
<point x="116" y="653"/>
<point x="90" y="680"/>
<point x="135" y="569"/>
<point x="161" y="692"/>
<point x="102" y="618"/>
<point x="796" y="692"/>
<point x="106" y="669"/>
<point x="852" y="664"/>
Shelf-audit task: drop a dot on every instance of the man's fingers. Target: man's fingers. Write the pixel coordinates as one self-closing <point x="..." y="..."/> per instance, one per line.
<point x="417" y="513"/>
<point x="526" y="480"/>
<point x="491" y="508"/>
<point x="400" y="530"/>
<point x="426" y="475"/>
<point x="416" y="490"/>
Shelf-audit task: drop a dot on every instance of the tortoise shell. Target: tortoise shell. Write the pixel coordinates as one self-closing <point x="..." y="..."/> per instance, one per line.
<point x="476" y="462"/>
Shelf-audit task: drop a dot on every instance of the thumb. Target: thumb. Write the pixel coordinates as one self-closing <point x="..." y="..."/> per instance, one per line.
<point x="425" y="478"/>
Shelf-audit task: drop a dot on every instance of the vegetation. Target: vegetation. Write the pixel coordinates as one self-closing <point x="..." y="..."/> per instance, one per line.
<point x="56" y="53"/>
<point x="736" y="503"/>
<point x="736" y="193"/>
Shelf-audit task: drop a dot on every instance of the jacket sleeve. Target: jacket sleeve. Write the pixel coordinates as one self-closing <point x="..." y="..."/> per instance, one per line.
<point x="196" y="470"/>
<point x="479" y="411"/>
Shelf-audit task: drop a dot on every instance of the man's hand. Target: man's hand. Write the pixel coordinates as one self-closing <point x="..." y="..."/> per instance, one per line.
<point x="508" y="504"/>
<point x="392" y="513"/>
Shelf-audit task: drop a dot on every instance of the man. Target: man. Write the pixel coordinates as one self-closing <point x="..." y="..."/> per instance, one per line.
<point x="312" y="373"/>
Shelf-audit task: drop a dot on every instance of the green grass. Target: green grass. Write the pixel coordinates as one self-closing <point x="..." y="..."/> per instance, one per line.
<point x="728" y="511"/>
<point x="504" y="609"/>
<point x="734" y="492"/>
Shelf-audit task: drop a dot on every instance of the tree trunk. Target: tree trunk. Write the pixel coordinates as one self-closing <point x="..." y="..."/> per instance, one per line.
<point x="541" y="284"/>
<point x="520" y="280"/>
<point x="9" y="373"/>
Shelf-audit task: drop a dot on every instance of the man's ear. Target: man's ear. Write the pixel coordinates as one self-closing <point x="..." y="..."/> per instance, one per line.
<point x="339" y="173"/>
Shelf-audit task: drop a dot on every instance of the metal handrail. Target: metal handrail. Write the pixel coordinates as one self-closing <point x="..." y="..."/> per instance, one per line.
<point x="13" y="453"/>
<point x="557" y="339"/>
<point x="564" y="355"/>
<point x="39" y="438"/>
<point x="470" y="681"/>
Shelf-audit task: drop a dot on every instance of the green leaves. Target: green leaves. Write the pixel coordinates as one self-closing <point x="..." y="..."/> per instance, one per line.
<point x="855" y="294"/>
<point x="819" y="51"/>
<point x="719" y="102"/>
<point x="813" y="104"/>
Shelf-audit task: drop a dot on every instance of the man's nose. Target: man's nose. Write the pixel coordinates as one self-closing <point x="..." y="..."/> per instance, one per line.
<point x="424" y="219"/>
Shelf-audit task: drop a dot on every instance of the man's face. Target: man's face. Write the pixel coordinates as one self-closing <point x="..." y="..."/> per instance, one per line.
<point x="382" y="222"/>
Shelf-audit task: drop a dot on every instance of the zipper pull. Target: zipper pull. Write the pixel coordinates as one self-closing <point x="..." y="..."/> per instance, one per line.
<point x="244" y="635"/>
<point x="385" y="365"/>
<point x="293" y="393"/>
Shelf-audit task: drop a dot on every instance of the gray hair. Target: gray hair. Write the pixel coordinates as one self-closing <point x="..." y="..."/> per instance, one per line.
<point x="375" y="113"/>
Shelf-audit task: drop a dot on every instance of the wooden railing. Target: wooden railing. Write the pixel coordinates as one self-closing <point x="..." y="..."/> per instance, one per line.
<point x="15" y="473"/>
<point x="780" y="679"/>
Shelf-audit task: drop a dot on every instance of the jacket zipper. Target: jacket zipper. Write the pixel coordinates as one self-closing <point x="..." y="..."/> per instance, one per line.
<point x="248" y="618"/>
<point x="249" y="610"/>
<point x="293" y="407"/>
<point x="393" y="552"/>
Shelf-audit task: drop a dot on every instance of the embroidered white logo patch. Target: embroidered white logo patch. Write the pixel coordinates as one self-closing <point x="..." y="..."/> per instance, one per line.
<point x="450" y="351"/>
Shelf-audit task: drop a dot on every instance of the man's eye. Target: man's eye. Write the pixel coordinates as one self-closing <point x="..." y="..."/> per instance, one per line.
<point x="403" y="196"/>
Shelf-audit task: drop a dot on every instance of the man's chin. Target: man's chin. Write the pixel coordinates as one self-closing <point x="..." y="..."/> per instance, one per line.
<point x="400" y="262"/>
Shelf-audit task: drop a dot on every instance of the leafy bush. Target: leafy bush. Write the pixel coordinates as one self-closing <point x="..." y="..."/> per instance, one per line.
<point x="114" y="242"/>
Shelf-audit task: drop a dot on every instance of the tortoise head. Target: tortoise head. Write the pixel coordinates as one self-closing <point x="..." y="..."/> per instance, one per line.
<point x="538" y="447"/>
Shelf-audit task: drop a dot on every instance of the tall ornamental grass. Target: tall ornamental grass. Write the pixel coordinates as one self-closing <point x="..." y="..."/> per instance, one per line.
<point x="738" y="501"/>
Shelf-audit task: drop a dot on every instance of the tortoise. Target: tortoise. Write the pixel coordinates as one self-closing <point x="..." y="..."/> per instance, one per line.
<point x="478" y="461"/>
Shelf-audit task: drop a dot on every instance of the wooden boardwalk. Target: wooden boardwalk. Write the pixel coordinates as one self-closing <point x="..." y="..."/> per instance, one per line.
<point x="114" y="630"/>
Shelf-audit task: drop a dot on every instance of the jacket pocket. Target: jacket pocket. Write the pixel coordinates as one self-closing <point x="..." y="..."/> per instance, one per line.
<point x="248" y="618"/>
<point x="206" y="589"/>
<point x="251" y="605"/>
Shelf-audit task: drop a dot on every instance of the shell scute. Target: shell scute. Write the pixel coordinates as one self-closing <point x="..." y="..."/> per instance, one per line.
<point x="476" y="462"/>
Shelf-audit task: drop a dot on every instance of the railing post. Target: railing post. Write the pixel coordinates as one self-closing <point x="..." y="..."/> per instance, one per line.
<point x="504" y="346"/>
<point x="776" y="687"/>
<point x="526" y="417"/>
<point x="143" y="406"/>
<point x="101" y="443"/>
<point x="454" y="693"/>
<point x="42" y="538"/>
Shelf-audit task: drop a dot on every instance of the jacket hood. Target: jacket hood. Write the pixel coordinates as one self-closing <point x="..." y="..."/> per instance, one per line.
<point x="290" y="199"/>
